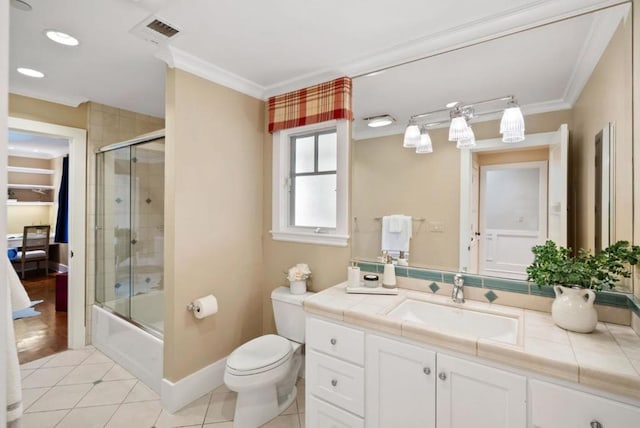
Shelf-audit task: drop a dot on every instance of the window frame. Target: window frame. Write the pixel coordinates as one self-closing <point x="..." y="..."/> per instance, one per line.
<point x="281" y="177"/>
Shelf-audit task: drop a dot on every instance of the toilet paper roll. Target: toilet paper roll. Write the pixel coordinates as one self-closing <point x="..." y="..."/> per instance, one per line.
<point x="205" y="306"/>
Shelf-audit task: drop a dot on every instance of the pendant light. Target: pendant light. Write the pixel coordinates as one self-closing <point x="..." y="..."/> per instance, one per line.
<point x="425" y="145"/>
<point x="411" y="135"/>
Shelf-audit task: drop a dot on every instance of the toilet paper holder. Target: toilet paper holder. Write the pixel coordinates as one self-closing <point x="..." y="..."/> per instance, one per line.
<point x="191" y="307"/>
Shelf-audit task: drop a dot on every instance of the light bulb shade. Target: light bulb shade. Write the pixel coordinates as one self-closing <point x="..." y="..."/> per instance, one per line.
<point x="468" y="141"/>
<point x="457" y="128"/>
<point x="425" y="145"/>
<point x="512" y="121"/>
<point x="411" y="136"/>
<point x="512" y="137"/>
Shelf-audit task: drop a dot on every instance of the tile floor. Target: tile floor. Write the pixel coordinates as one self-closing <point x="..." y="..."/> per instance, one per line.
<point x="85" y="389"/>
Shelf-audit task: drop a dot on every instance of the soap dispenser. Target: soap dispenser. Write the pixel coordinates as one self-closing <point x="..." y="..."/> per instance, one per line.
<point x="389" y="275"/>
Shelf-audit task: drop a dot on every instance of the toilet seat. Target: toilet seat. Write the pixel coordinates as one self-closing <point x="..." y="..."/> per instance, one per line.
<point x="259" y="355"/>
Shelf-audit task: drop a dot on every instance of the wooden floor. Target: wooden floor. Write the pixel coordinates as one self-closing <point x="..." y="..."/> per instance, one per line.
<point x="45" y="334"/>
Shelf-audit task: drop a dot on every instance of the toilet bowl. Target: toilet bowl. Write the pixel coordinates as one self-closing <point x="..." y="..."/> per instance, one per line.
<point x="264" y="370"/>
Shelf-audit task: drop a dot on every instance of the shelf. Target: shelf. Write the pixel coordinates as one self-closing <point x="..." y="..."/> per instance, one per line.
<point x="26" y="203"/>
<point x="31" y="186"/>
<point x="26" y="170"/>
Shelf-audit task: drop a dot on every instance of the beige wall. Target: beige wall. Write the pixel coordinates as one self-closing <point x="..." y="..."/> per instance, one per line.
<point x="213" y="213"/>
<point x="606" y="97"/>
<point x="45" y="111"/>
<point x="512" y="156"/>
<point x="389" y="179"/>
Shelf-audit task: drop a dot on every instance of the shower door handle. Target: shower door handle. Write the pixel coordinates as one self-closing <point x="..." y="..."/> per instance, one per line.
<point x="71" y="253"/>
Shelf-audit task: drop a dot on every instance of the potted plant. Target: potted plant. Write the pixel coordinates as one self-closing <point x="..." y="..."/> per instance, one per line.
<point x="574" y="278"/>
<point x="297" y="276"/>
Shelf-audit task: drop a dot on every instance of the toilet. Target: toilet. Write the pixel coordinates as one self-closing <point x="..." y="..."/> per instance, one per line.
<point x="264" y="370"/>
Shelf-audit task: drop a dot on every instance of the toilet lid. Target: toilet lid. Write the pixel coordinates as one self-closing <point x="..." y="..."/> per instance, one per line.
<point x="259" y="354"/>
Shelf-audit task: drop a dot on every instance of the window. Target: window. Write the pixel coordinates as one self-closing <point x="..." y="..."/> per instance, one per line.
<point x="310" y="169"/>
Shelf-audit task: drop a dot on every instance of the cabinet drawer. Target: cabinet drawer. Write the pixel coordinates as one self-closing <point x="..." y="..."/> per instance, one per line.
<point x="336" y="381"/>
<point x="336" y="340"/>
<point x="554" y="406"/>
<point x="323" y="415"/>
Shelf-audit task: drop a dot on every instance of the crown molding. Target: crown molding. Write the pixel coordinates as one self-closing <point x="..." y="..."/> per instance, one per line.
<point x="177" y="58"/>
<point x="602" y="29"/>
<point x="71" y="101"/>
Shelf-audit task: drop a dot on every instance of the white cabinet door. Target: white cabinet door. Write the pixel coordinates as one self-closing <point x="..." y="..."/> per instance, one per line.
<point x="323" y="415"/>
<point x="400" y="384"/>
<point x="554" y="406"/>
<point x="474" y="395"/>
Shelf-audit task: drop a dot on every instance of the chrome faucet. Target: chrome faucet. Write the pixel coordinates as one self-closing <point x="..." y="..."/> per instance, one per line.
<point x="458" y="294"/>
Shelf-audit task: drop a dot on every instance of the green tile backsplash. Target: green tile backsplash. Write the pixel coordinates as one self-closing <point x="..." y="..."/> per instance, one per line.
<point x="510" y="285"/>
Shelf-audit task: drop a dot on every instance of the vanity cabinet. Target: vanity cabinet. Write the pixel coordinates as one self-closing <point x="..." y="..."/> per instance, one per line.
<point x="555" y="406"/>
<point x="400" y="384"/>
<point x="334" y="375"/>
<point x="410" y="386"/>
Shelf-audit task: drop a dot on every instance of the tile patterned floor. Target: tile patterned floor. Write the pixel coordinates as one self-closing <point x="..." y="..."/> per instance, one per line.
<point x="85" y="389"/>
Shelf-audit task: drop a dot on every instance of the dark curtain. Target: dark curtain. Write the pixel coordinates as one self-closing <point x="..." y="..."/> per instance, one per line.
<point x="62" y="224"/>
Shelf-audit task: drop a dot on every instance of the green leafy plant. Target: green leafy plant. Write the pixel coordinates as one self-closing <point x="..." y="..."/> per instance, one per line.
<point x="555" y="265"/>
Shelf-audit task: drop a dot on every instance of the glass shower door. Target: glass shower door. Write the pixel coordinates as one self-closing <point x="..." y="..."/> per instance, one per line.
<point x="147" y="240"/>
<point x="113" y="230"/>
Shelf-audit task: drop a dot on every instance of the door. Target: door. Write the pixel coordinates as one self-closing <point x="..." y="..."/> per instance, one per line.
<point x="513" y="216"/>
<point x="474" y="395"/>
<point x="400" y="384"/>
<point x="558" y="186"/>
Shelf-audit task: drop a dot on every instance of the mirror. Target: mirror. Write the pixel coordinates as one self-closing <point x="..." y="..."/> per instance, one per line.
<point x="576" y="72"/>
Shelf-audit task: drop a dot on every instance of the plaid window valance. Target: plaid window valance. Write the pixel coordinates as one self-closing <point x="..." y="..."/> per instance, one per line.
<point x="319" y="103"/>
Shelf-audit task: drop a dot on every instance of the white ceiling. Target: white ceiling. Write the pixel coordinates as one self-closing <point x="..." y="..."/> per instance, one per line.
<point x="260" y="48"/>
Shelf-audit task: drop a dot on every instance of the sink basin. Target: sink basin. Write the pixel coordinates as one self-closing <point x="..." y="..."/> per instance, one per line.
<point x="457" y="320"/>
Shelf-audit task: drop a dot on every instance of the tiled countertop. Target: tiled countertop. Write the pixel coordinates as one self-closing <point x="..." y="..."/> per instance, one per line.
<point x="607" y="359"/>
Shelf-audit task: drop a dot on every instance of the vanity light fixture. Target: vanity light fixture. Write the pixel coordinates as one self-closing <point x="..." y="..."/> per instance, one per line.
<point x="511" y="124"/>
<point x="62" y="38"/>
<point x="30" y="72"/>
<point x="379" y="121"/>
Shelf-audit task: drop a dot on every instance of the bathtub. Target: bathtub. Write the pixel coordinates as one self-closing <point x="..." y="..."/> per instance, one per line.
<point x="128" y="343"/>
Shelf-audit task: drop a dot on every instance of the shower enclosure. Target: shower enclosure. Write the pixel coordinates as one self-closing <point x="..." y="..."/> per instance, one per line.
<point x="130" y="231"/>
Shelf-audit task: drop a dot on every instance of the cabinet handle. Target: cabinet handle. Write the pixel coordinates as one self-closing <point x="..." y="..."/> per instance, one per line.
<point x="427" y="370"/>
<point x="334" y="382"/>
<point x="595" y="424"/>
<point x="333" y="341"/>
<point x="442" y="376"/>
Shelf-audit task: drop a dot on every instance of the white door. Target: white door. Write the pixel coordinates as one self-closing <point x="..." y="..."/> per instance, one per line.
<point x="513" y="216"/>
<point x="474" y="395"/>
<point x="558" y="186"/>
<point x="400" y="384"/>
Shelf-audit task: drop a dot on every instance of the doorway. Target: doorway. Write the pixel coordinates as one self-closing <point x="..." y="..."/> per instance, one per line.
<point x="77" y="219"/>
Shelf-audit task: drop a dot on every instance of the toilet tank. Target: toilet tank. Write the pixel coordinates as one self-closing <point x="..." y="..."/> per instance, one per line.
<point x="288" y="313"/>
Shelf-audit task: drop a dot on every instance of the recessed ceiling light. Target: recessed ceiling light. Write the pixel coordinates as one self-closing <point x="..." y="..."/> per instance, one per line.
<point x="22" y="5"/>
<point x="378" y="121"/>
<point x="30" y="72"/>
<point x="62" y="38"/>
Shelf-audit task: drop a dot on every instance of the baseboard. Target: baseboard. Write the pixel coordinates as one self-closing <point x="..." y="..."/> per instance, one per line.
<point x="176" y="395"/>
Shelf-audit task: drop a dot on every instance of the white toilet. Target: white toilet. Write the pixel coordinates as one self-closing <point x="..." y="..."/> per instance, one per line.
<point x="264" y="370"/>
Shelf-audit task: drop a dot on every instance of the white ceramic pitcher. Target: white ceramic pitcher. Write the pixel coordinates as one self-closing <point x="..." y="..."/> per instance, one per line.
<point x="573" y="309"/>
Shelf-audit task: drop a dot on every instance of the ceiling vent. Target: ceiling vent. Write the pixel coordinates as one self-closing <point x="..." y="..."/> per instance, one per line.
<point x="155" y="30"/>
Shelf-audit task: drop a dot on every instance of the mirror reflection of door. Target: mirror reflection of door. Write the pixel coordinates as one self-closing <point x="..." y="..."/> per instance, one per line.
<point x="474" y="232"/>
<point x="513" y="216"/>
<point x="603" y="191"/>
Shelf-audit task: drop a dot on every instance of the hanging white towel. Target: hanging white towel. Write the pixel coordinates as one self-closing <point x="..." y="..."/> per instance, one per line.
<point x="16" y="298"/>
<point x="396" y="234"/>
